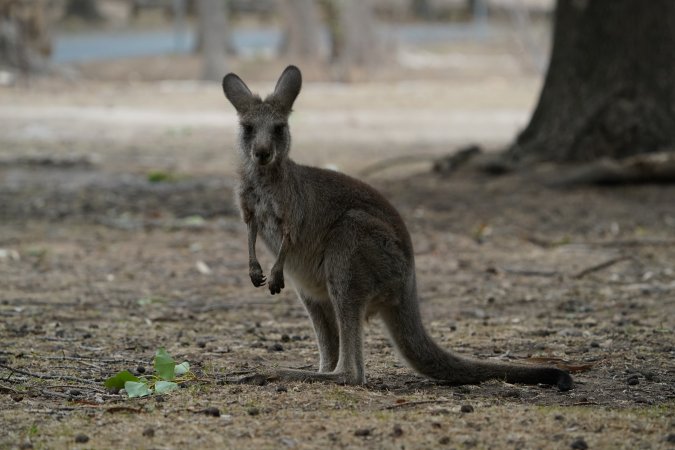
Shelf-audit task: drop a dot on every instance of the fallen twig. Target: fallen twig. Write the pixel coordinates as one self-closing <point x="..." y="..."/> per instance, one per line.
<point x="597" y="267"/>
<point x="530" y="272"/>
<point x="415" y="403"/>
<point x="396" y="161"/>
<point x="46" y="376"/>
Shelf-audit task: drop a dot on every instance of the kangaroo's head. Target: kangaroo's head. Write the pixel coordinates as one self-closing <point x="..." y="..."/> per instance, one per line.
<point x="264" y="138"/>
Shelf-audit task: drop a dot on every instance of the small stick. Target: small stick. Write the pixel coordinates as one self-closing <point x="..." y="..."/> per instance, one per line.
<point x="47" y="377"/>
<point x="597" y="267"/>
<point x="418" y="402"/>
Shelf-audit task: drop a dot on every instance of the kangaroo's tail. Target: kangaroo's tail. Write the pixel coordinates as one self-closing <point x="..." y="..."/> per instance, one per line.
<point x="425" y="356"/>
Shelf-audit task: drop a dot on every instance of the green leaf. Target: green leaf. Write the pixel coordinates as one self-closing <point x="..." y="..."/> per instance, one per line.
<point x="118" y="380"/>
<point x="162" y="387"/>
<point x="182" y="368"/>
<point x="135" y="389"/>
<point x="165" y="365"/>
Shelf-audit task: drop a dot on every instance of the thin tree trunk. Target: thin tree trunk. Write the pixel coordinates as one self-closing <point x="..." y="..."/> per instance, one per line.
<point x="84" y="9"/>
<point x="610" y="85"/>
<point x="212" y="28"/>
<point x="302" y="35"/>
<point x="356" y="43"/>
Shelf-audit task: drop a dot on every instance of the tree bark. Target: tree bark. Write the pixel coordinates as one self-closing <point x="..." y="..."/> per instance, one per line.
<point x="610" y="86"/>
<point x="212" y="28"/>
<point x="302" y="35"/>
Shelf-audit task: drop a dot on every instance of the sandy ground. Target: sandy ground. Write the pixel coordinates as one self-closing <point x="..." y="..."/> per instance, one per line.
<point x="100" y="266"/>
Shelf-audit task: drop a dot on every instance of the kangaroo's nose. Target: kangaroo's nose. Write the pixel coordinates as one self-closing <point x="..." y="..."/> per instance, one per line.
<point x="262" y="155"/>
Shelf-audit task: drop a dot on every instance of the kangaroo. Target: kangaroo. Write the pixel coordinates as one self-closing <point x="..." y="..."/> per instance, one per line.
<point x="346" y="250"/>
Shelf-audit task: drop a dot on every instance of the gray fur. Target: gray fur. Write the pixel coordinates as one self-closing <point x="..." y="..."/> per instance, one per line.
<point x="345" y="248"/>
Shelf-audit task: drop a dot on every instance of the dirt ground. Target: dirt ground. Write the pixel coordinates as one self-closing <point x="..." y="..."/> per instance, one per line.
<point x="118" y="236"/>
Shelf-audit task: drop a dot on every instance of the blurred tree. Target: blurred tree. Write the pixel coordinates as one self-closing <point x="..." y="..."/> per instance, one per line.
<point x="421" y="9"/>
<point x="25" y="35"/>
<point x="83" y="9"/>
<point x="354" y="39"/>
<point x="302" y="29"/>
<point x="212" y="29"/>
<point x="610" y="86"/>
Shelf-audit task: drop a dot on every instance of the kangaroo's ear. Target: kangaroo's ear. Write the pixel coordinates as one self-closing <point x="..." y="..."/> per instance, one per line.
<point x="287" y="88"/>
<point x="237" y="92"/>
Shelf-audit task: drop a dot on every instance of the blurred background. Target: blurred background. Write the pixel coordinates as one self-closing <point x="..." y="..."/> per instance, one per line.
<point x="341" y="39"/>
<point x="130" y="85"/>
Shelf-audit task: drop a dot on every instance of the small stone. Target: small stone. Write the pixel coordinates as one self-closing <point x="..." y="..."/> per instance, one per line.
<point x="276" y="347"/>
<point x="632" y="380"/>
<point x="81" y="438"/>
<point x="281" y="388"/>
<point x="285" y="338"/>
<point x="466" y="408"/>
<point x="362" y="432"/>
<point x="140" y="369"/>
<point x="149" y="432"/>
<point x="579" y="444"/>
<point x="670" y="438"/>
<point x="397" y="431"/>
<point x="445" y="440"/>
<point x="75" y="392"/>
<point x="559" y="417"/>
<point x="17" y="398"/>
<point x="201" y="344"/>
<point x="212" y="411"/>
<point x="253" y="411"/>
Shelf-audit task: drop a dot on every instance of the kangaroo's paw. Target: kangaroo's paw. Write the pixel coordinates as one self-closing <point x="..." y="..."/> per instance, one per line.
<point x="276" y="283"/>
<point x="256" y="274"/>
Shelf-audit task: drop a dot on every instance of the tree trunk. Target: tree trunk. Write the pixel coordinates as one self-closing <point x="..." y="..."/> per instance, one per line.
<point x="25" y="36"/>
<point x="302" y="35"/>
<point x="84" y="9"/>
<point x="355" y="42"/>
<point x="610" y="86"/>
<point x="212" y="28"/>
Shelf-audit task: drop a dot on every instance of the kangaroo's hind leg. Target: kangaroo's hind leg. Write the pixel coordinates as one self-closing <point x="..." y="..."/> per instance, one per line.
<point x="322" y="314"/>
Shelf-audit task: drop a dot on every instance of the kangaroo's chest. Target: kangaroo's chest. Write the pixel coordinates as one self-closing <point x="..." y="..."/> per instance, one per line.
<point x="266" y="206"/>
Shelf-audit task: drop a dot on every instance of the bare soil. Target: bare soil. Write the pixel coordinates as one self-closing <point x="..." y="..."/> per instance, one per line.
<point x="101" y="264"/>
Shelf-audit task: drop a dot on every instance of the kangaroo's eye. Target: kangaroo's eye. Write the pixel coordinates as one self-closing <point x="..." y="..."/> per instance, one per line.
<point x="248" y="129"/>
<point x="279" y="129"/>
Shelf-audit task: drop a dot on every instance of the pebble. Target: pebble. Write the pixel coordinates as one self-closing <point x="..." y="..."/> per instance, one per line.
<point x="140" y="369"/>
<point x="579" y="444"/>
<point x="466" y="408"/>
<point x="397" y="431"/>
<point x="445" y="440"/>
<point x="149" y="432"/>
<point x="81" y="438"/>
<point x="253" y="411"/>
<point x="285" y="338"/>
<point x="201" y="344"/>
<point x="212" y="411"/>
<point x="281" y="388"/>
<point x="633" y="380"/>
<point x="362" y="432"/>
<point x="276" y="347"/>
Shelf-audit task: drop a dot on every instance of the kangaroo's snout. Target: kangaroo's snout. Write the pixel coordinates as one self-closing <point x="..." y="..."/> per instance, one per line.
<point x="262" y="155"/>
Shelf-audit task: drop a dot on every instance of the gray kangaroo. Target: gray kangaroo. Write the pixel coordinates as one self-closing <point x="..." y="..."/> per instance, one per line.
<point x="346" y="249"/>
